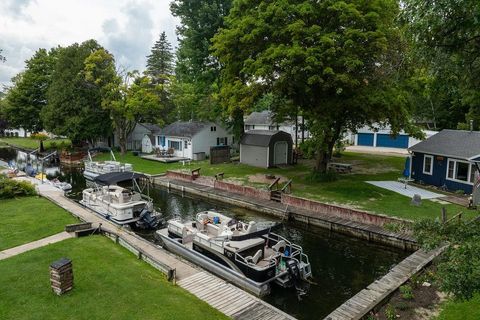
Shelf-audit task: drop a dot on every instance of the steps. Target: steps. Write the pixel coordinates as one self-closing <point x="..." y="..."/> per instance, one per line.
<point x="276" y="196"/>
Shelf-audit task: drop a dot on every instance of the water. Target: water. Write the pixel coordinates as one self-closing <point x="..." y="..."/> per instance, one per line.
<point x="341" y="265"/>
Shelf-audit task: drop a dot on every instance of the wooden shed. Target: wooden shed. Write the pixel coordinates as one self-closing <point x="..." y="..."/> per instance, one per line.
<point x="265" y="148"/>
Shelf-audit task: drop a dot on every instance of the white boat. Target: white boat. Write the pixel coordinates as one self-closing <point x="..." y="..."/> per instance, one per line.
<point x="261" y="256"/>
<point x="118" y="204"/>
<point x="96" y="168"/>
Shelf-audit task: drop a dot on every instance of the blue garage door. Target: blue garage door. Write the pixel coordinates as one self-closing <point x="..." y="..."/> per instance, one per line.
<point x="386" y="140"/>
<point x="365" y="139"/>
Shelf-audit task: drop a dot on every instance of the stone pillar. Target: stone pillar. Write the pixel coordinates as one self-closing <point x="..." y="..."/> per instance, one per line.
<point x="61" y="276"/>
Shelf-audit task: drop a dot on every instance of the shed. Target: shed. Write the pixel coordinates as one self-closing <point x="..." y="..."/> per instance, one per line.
<point x="147" y="144"/>
<point x="448" y="159"/>
<point x="265" y="148"/>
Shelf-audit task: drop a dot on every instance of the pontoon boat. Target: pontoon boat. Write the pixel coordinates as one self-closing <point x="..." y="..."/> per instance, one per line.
<point x="95" y="168"/>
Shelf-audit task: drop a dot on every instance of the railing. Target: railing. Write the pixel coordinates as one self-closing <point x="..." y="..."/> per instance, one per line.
<point x="244" y="261"/>
<point x="275" y="182"/>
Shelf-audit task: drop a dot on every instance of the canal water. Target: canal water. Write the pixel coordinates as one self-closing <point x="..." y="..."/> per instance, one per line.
<point x="341" y="265"/>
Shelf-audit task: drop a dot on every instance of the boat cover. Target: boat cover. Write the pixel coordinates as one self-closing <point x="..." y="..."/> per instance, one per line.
<point x="117" y="177"/>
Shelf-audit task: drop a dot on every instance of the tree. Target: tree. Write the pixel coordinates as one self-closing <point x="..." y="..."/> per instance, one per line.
<point x="447" y="37"/>
<point x="74" y="106"/>
<point x="196" y="66"/>
<point x="337" y="61"/>
<point x="129" y="99"/>
<point x="28" y="95"/>
<point x="2" y="57"/>
<point x="160" y="61"/>
<point x="459" y="268"/>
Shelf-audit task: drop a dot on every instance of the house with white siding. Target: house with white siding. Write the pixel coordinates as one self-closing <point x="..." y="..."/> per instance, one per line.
<point x="187" y="139"/>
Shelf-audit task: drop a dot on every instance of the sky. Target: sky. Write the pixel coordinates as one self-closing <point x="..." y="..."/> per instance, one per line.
<point x="126" y="28"/>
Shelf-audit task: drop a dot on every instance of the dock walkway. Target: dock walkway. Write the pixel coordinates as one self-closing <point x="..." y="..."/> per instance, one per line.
<point x="363" y="302"/>
<point x="189" y="277"/>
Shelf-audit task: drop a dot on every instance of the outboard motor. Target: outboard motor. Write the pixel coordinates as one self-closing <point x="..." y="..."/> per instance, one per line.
<point x="294" y="272"/>
<point x="147" y="221"/>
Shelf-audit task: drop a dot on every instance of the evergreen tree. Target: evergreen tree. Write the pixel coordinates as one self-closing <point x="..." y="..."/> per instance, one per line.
<point x="160" y="61"/>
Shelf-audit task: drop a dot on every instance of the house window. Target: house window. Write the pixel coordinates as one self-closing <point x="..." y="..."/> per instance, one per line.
<point x="185" y="146"/>
<point x="176" y="145"/>
<point x="460" y="171"/>
<point x="222" y="141"/>
<point x="213" y="128"/>
<point x="161" y="141"/>
<point x="427" y="164"/>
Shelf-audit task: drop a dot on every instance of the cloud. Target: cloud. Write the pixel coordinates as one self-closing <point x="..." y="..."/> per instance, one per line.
<point x="16" y="7"/>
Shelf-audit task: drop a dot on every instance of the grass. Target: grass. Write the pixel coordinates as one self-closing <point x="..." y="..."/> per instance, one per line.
<point x="109" y="283"/>
<point x="349" y="189"/>
<point x="466" y="310"/>
<point x="28" y="219"/>
<point x="29" y="143"/>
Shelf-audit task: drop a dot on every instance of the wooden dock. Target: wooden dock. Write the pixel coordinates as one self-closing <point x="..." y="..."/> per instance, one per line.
<point x="228" y="299"/>
<point x="367" y="299"/>
<point x="225" y="297"/>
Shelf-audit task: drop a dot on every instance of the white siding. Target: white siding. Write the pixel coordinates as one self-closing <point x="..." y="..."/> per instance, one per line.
<point x="254" y="155"/>
<point x="206" y="138"/>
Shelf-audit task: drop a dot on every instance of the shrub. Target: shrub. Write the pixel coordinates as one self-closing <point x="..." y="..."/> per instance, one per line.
<point x="390" y="313"/>
<point x="328" y="176"/>
<point x="407" y="292"/>
<point x="12" y="188"/>
<point x="308" y="148"/>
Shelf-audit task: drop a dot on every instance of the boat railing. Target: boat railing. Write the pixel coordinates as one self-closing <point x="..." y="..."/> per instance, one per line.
<point x="214" y="244"/>
<point x="295" y="251"/>
<point x="239" y="258"/>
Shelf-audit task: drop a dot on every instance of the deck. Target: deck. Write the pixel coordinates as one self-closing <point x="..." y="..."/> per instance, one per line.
<point x="367" y="299"/>
<point x="164" y="159"/>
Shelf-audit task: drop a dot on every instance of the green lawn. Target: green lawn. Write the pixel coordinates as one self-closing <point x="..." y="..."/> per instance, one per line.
<point x="28" y="219"/>
<point x="468" y="310"/>
<point x="29" y="143"/>
<point x="349" y="189"/>
<point x="109" y="283"/>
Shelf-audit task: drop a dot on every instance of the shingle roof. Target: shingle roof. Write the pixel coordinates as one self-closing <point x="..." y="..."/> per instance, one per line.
<point x="259" y="137"/>
<point x="459" y="144"/>
<point x="152" y="127"/>
<point x="264" y="117"/>
<point x="184" y="129"/>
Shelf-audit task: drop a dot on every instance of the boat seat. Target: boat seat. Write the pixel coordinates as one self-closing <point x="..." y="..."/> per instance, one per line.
<point x="255" y="258"/>
<point x="280" y="246"/>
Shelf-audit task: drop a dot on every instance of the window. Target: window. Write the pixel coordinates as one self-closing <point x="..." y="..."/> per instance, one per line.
<point x="428" y="164"/>
<point x="176" y="145"/>
<point x="185" y="145"/>
<point x="161" y="141"/>
<point x="222" y="141"/>
<point x="460" y="171"/>
<point x="213" y="128"/>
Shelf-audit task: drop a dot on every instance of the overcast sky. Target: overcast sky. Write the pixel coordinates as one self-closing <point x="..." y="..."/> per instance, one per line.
<point x="127" y="28"/>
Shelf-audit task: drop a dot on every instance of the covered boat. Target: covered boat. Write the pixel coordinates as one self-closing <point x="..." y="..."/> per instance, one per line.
<point x="121" y="205"/>
<point x="239" y="250"/>
<point x="96" y="168"/>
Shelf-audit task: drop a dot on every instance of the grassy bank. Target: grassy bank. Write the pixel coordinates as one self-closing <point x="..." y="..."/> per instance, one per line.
<point x="467" y="310"/>
<point x="28" y="143"/>
<point x="28" y="219"/>
<point x="349" y="189"/>
<point x="109" y="283"/>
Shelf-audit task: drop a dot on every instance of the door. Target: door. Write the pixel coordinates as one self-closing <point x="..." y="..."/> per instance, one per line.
<point x="365" y="139"/>
<point x="386" y="140"/>
<point x="280" y="153"/>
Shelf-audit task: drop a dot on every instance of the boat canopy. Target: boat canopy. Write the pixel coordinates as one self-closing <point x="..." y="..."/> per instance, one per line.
<point x="117" y="177"/>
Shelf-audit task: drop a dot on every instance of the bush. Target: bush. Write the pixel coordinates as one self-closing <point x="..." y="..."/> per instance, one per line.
<point x="308" y="148"/>
<point x="407" y="292"/>
<point x="328" y="176"/>
<point x="13" y="188"/>
<point x="390" y="312"/>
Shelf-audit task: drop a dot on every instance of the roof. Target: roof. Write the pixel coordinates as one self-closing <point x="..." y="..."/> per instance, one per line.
<point x="117" y="177"/>
<point x="260" y="137"/>
<point x="459" y="144"/>
<point x="184" y="128"/>
<point x="264" y="117"/>
<point x="151" y="127"/>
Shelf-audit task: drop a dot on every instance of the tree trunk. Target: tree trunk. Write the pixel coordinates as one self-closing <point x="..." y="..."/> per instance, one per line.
<point x="122" y="140"/>
<point x="325" y="152"/>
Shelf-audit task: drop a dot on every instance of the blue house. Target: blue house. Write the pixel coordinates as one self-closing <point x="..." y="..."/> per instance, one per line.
<point x="448" y="159"/>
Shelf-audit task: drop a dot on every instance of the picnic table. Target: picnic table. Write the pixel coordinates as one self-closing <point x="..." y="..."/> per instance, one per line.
<point x="340" y="167"/>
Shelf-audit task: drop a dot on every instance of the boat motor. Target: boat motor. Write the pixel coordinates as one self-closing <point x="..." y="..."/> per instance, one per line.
<point x="294" y="272"/>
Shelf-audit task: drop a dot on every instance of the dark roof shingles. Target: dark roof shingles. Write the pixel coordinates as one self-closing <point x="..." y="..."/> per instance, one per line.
<point x="184" y="129"/>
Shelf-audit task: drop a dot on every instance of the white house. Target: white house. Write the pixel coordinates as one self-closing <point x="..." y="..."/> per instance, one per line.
<point x="136" y="139"/>
<point x="19" y="132"/>
<point x="193" y="137"/>
<point x="264" y="121"/>
<point x="381" y="136"/>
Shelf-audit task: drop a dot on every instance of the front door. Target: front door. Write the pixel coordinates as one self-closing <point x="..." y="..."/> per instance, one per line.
<point x="280" y="153"/>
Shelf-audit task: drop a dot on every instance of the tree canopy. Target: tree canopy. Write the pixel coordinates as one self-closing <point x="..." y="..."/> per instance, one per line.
<point x="74" y="106"/>
<point x="160" y="61"/>
<point x="329" y="58"/>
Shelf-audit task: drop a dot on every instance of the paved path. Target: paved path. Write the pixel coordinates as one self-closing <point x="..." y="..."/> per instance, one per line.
<point x="408" y="191"/>
<point x="378" y="150"/>
<point x="34" y="245"/>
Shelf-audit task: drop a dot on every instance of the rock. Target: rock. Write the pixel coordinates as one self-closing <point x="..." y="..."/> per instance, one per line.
<point x="426" y="284"/>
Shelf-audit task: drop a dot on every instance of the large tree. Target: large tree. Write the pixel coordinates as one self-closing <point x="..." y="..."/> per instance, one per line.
<point x="128" y="98"/>
<point x="447" y="37"/>
<point x="160" y="61"/>
<point x="196" y="66"/>
<point x="337" y="61"/>
<point x="74" y="106"/>
<point x="28" y="95"/>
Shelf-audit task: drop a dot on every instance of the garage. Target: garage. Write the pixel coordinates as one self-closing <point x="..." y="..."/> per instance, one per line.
<point x="386" y="140"/>
<point x="265" y="148"/>
<point x="365" y="139"/>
